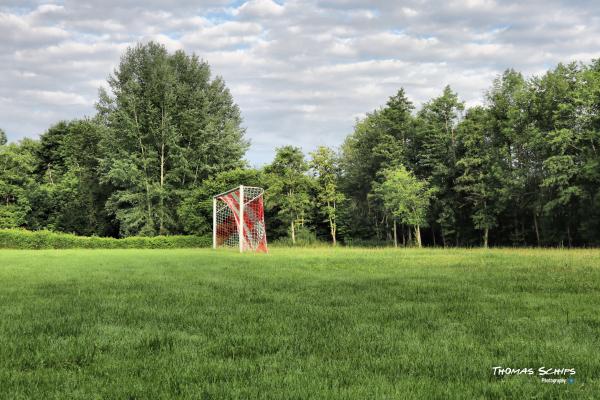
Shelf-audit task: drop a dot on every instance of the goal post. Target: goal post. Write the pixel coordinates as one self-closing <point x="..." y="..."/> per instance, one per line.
<point x="239" y="219"/>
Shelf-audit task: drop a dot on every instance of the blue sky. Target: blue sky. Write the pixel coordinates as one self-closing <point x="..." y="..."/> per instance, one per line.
<point x="302" y="72"/>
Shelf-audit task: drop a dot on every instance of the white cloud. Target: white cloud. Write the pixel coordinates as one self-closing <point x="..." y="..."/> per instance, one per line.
<point x="224" y="35"/>
<point x="55" y="98"/>
<point x="259" y="8"/>
<point x="302" y="71"/>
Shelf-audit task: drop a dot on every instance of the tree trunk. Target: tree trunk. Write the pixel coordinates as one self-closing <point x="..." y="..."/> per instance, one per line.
<point x="162" y="193"/>
<point x="486" y="231"/>
<point x="409" y="236"/>
<point x="332" y="224"/>
<point x="433" y="234"/>
<point x="418" y="236"/>
<point x="293" y="233"/>
<point x="332" y="229"/>
<point x="50" y="174"/>
<point x="143" y="154"/>
<point x="537" y="230"/>
<point x="403" y="237"/>
<point x="387" y="229"/>
<point x="395" y="234"/>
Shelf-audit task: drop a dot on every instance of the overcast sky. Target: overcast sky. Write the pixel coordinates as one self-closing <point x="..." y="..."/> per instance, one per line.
<point x="301" y="71"/>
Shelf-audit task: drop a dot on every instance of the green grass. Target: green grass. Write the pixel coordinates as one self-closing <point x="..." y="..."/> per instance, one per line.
<point x="297" y="324"/>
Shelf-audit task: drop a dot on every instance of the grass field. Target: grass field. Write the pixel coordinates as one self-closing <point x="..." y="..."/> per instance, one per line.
<point x="297" y="324"/>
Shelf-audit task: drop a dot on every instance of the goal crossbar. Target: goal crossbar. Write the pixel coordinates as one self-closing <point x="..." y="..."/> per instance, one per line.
<point x="236" y="189"/>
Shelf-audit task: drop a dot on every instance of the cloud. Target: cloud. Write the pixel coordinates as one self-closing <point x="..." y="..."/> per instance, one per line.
<point x="302" y="71"/>
<point x="259" y="8"/>
<point x="53" y="98"/>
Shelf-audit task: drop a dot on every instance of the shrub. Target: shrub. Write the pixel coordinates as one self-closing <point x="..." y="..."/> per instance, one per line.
<point x="24" y="239"/>
<point x="304" y="238"/>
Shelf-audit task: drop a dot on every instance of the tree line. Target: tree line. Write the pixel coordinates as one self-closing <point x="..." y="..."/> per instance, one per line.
<point x="522" y="169"/>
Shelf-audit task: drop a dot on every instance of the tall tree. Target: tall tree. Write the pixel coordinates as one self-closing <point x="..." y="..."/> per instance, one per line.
<point x="289" y="188"/>
<point x="17" y="164"/>
<point x="557" y="108"/>
<point x="3" y="139"/>
<point x="383" y="139"/>
<point x="69" y="197"/>
<point x="406" y="198"/>
<point x="325" y="166"/>
<point x="483" y="180"/>
<point x="170" y="127"/>
<point x="589" y="121"/>
<point x="509" y="106"/>
<point x="398" y="123"/>
<point x="437" y="156"/>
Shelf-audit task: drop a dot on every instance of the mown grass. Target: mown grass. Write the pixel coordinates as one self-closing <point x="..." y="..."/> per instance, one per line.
<point x="297" y="324"/>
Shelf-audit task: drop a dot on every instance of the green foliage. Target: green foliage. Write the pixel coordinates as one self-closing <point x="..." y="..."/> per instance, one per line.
<point x="70" y="197"/>
<point x="382" y="140"/>
<point x="23" y="239"/>
<point x="195" y="210"/>
<point x="304" y="237"/>
<point x="484" y="180"/>
<point x="404" y="196"/>
<point x="3" y="138"/>
<point x="169" y="127"/>
<point x="326" y="169"/>
<point x="522" y="169"/>
<point x="437" y="154"/>
<point x="289" y="189"/>
<point x="17" y="164"/>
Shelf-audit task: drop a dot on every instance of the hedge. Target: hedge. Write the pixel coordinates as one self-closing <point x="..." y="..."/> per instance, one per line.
<point x="24" y="239"/>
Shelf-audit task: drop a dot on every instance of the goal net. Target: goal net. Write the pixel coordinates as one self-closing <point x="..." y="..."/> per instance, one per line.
<point x="239" y="219"/>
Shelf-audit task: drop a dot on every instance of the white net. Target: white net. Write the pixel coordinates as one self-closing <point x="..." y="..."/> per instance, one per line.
<point x="235" y="219"/>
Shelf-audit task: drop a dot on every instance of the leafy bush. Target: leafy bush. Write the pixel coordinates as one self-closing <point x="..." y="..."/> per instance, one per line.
<point x="24" y="239"/>
<point x="304" y="238"/>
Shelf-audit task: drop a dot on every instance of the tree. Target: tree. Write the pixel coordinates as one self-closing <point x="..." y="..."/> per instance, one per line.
<point x="289" y="188"/>
<point x="558" y="111"/>
<point x="169" y="127"/>
<point x="589" y="121"/>
<point x="516" y="139"/>
<point x="3" y="139"/>
<point x="483" y="180"/>
<point x="383" y="139"/>
<point x="17" y="164"/>
<point x="398" y="122"/>
<point x="70" y="197"/>
<point x="436" y="157"/>
<point x="406" y="198"/>
<point x="326" y="170"/>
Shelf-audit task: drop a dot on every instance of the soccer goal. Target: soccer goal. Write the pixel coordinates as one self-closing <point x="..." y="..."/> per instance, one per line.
<point x="239" y="219"/>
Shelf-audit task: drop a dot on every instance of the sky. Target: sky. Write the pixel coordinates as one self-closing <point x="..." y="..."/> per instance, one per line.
<point x="302" y="72"/>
